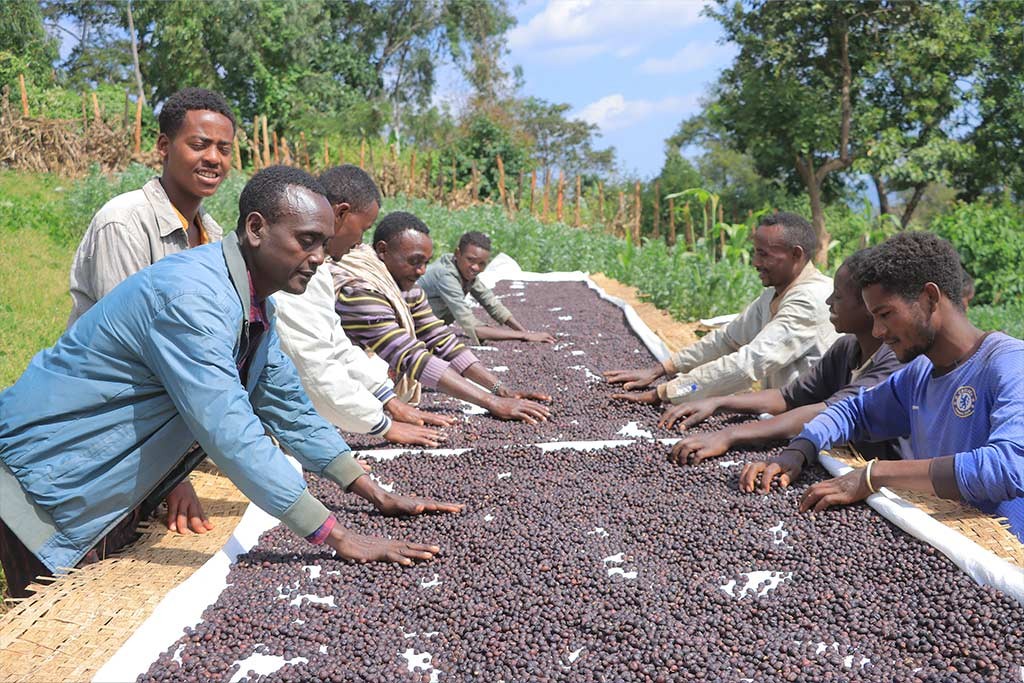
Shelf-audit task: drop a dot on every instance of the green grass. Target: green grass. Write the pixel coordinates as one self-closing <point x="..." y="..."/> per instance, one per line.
<point x="34" y="300"/>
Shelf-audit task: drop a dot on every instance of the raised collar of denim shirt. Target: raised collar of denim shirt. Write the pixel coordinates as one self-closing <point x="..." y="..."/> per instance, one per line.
<point x="238" y="273"/>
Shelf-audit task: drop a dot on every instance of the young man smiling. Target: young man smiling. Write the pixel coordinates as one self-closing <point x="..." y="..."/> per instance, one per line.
<point x="779" y="336"/>
<point x="184" y="350"/>
<point x="164" y="217"/>
<point x="960" y="399"/>
<point x="450" y="278"/>
<point x="857" y="361"/>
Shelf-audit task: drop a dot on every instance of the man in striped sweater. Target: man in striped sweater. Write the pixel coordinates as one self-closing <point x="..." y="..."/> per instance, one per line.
<point x="384" y="312"/>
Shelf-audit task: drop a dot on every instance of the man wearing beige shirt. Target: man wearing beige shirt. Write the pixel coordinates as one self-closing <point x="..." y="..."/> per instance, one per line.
<point x="780" y="335"/>
<point x="138" y="228"/>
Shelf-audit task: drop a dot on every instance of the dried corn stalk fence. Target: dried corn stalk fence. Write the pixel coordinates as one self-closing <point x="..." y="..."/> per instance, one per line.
<point x="31" y="141"/>
<point x="66" y="147"/>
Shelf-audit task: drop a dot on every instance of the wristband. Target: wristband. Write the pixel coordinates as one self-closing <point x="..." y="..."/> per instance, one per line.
<point x="496" y="387"/>
<point x="867" y="474"/>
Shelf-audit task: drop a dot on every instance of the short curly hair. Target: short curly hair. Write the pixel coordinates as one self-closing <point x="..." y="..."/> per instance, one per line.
<point x="906" y="262"/>
<point x="172" y="113"/>
<point x="395" y="223"/>
<point x="795" y="230"/>
<point x="264" y="191"/>
<point x="477" y="239"/>
<point x="351" y="185"/>
<point x="854" y="262"/>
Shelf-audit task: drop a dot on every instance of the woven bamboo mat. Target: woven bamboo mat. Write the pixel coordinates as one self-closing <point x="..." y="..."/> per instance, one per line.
<point x="991" y="533"/>
<point x="71" y="626"/>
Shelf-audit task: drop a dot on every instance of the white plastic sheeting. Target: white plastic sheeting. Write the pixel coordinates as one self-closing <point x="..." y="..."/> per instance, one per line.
<point x="981" y="565"/>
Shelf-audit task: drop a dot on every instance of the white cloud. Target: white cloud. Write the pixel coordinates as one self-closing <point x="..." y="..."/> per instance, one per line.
<point x="692" y="57"/>
<point x="614" y="112"/>
<point x="601" y="25"/>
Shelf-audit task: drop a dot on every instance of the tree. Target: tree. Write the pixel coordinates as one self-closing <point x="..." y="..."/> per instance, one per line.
<point x="25" y="47"/>
<point x="997" y="122"/>
<point x="559" y="142"/>
<point x="99" y="46"/>
<point x="793" y="98"/>
<point x="729" y="173"/>
<point x="915" y="111"/>
<point x="404" y="40"/>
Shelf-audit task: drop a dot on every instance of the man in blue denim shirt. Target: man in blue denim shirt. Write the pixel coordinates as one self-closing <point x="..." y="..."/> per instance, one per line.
<point x="185" y="350"/>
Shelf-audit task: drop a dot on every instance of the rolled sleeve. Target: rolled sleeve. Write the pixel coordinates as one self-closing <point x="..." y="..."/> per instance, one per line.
<point x="306" y="515"/>
<point x="344" y="470"/>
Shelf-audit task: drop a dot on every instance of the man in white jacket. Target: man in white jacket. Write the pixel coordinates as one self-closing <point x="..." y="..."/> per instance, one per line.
<point x="347" y="387"/>
<point x="778" y="337"/>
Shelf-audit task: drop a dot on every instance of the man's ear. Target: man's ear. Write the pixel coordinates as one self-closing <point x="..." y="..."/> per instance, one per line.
<point x="163" y="144"/>
<point x="340" y="210"/>
<point x="930" y="296"/>
<point x="381" y="247"/>
<point x="256" y="227"/>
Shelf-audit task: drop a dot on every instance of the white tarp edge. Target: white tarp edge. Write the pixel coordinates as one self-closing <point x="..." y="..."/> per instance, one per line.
<point x="981" y="565"/>
<point x="183" y="605"/>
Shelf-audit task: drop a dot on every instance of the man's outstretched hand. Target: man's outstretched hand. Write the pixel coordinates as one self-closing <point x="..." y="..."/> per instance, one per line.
<point x="649" y="397"/>
<point x="360" y="548"/>
<point x="519" y="409"/>
<point x="688" y="414"/>
<point x="401" y="411"/>
<point x="413" y="435"/>
<point x="394" y="505"/>
<point x="786" y="467"/>
<point x="693" y="450"/>
<point x="634" y="379"/>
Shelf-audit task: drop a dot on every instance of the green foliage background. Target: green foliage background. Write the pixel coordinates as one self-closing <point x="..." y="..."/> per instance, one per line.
<point x="43" y="217"/>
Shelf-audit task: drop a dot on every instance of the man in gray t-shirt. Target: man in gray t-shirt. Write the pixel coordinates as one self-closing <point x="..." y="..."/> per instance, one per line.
<point x="856" y="362"/>
<point x="450" y="278"/>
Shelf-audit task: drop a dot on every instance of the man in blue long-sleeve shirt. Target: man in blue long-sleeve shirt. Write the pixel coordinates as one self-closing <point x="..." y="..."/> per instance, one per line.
<point x="184" y="350"/>
<point x="960" y="399"/>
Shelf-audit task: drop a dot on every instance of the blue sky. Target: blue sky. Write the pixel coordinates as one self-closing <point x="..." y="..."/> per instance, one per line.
<point x="636" y="68"/>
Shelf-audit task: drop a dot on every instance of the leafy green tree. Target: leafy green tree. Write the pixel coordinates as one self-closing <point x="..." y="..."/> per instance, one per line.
<point x="560" y="142"/>
<point x="729" y="173"/>
<point x="997" y="136"/>
<point x="914" y="112"/>
<point x="95" y="30"/>
<point x="480" y="142"/>
<point x="797" y="97"/>
<point x="25" y="46"/>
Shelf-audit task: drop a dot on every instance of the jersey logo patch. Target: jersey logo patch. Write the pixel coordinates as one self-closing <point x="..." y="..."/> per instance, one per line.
<point x="963" y="401"/>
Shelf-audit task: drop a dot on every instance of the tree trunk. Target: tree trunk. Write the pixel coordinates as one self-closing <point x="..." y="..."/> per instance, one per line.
<point x="818" y="221"/>
<point x="135" y="53"/>
<point x="883" y="194"/>
<point x="908" y="210"/>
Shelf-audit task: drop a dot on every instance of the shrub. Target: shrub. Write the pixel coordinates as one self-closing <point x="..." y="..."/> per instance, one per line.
<point x="990" y="239"/>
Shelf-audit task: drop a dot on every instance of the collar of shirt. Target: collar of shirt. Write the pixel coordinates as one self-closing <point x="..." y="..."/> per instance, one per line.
<point x="449" y="263"/>
<point x="808" y="271"/>
<point x="203" y="237"/>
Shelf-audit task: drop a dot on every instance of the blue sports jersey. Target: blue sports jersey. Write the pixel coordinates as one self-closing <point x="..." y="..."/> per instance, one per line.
<point x="974" y="412"/>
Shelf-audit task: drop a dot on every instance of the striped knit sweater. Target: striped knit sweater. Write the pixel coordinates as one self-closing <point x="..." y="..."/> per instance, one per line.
<point x="370" y="322"/>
